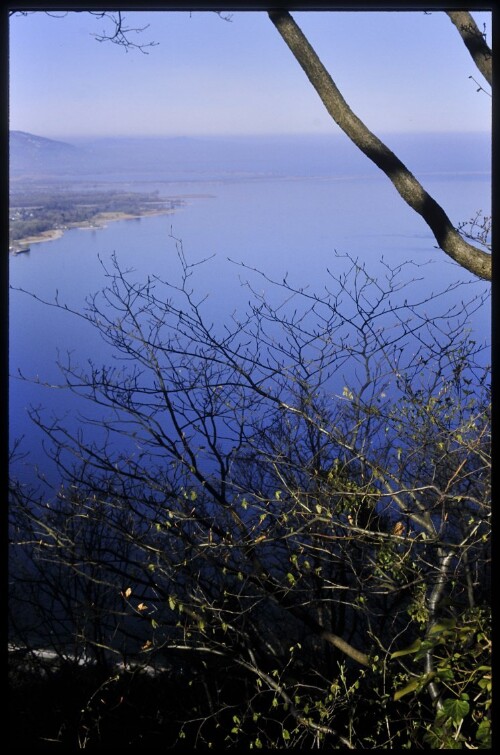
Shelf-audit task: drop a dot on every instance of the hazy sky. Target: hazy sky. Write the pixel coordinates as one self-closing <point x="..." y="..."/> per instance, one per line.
<point x="399" y="71"/>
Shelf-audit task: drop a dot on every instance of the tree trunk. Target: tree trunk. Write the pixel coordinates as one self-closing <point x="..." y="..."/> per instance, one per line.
<point x="449" y="240"/>
<point x="474" y="41"/>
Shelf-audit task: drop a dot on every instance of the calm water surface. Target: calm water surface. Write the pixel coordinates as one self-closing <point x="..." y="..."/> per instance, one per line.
<point x="281" y="227"/>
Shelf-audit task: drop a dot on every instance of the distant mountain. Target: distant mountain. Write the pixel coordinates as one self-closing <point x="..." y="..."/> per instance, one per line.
<point x="222" y="158"/>
<point x="31" y="154"/>
<point x="179" y="158"/>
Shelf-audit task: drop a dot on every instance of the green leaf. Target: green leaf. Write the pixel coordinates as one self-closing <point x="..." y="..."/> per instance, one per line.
<point x="433" y="738"/>
<point x="414" y="685"/>
<point x="171" y="602"/>
<point x="442" y="626"/>
<point x="450" y="743"/>
<point x="407" y="651"/>
<point x="483" y="733"/>
<point x="411" y="687"/>
<point x="445" y="674"/>
<point x="425" y="647"/>
<point x="286" y="734"/>
<point x="456" y="709"/>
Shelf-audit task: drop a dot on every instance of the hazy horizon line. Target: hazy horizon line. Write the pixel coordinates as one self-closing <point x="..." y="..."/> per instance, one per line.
<point x="238" y="135"/>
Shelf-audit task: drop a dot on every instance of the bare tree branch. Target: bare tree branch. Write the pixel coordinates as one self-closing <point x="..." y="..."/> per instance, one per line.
<point x="120" y="34"/>
<point x="257" y="510"/>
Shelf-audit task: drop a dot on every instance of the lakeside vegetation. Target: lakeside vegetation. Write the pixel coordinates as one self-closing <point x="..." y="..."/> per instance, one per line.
<point x="34" y="212"/>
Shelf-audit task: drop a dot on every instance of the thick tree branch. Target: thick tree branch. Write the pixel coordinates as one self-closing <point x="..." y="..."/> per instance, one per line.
<point x="345" y="647"/>
<point x="474" y="41"/>
<point x="449" y="240"/>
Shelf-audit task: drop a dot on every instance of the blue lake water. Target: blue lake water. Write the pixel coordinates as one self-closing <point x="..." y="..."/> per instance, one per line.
<point x="280" y="226"/>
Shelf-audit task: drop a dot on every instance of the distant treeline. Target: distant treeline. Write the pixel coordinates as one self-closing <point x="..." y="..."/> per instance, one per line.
<point x="33" y="212"/>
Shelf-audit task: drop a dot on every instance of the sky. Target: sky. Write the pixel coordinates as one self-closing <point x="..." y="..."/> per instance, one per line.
<point x="399" y="71"/>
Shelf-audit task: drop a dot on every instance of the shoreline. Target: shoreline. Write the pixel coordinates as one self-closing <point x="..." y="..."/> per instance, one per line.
<point x="97" y="223"/>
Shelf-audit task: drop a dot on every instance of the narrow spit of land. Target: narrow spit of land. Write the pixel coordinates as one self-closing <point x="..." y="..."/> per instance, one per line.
<point x="37" y="215"/>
